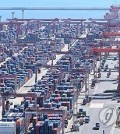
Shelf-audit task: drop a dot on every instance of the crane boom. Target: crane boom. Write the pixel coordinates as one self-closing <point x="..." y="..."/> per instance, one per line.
<point x="110" y="41"/>
<point x="108" y="34"/>
<point x="104" y="50"/>
<point x="33" y="95"/>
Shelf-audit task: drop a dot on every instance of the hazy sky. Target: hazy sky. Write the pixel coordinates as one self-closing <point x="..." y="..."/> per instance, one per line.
<point x="56" y="3"/>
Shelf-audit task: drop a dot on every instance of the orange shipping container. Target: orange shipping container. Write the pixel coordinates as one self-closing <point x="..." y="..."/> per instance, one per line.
<point x="55" y="131"/>
<point x="35" y="119"/>
<point x="19" y="122"/>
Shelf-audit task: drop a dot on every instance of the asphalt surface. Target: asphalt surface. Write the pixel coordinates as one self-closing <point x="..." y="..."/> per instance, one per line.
<point x="100" y="103"/>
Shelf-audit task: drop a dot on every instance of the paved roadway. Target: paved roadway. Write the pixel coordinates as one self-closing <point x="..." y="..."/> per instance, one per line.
<point x="94" y="108"/>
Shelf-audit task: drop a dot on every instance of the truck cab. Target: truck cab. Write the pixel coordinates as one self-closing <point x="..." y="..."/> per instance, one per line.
<point x="74" y="128"/>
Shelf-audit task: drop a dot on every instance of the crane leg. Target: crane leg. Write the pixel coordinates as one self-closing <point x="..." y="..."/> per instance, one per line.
<point x="3" y="105"/>
<point x="118" y="89"/>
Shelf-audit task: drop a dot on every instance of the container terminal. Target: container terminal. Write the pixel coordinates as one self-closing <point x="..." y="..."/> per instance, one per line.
<point x="60" y="76"/>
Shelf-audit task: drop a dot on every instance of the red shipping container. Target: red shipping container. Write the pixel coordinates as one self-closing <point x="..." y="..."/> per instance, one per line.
<point x="28" y="98"/>
<point x="56" y="99"/>
<point x="35" y="119"/>
<point x="19" y="122"/>
<point x="37" y="127"/>
<point x="55" y="131"/>
<point x="57" y="95"/>
<point x="50" y="115"/>
<point x="55" y="118"/>
<point x="50" y="104"/>
<point x="66" y="103"/>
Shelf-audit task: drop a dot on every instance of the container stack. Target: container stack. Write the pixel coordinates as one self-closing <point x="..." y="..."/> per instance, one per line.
<point x="56" y="90"/>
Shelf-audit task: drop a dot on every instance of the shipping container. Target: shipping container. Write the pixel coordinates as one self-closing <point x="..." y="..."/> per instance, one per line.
<point x="7" y="127"/>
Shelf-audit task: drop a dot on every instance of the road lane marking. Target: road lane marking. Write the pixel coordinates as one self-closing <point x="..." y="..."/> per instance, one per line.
<point x="96" y="87"/>
<point x="96" y="105"/>
<point x="90" y="123"/>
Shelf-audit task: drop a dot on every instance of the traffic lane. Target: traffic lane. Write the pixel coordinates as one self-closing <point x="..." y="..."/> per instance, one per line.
<point x="93" y="110"/>
<point x="109" y="127"/>
<point x="110" y="61"/>
<point x="106" y="83"/>
<point x="92" y="92"/>
<point x="71" y="121"/>
<point x="94" y="118"/>
<point x="104" y="86"/>
<point x="88" y="127"/>
<point x="113" y="71"/>
<point x="101" y="85"/>
<point x="79" y="101"/>
<point x="89" y="112"/>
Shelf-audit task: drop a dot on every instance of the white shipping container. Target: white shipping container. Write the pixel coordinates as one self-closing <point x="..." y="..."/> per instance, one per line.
<point x="5" y="27"/>
<point x="7" y="127"/>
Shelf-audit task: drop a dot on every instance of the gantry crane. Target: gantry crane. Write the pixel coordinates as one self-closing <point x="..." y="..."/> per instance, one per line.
<point x="37" y="110"/>
<point x="11" y="24"/>
<point x="110" y="41"/>
<point x="56" y="19"/>
<point x="4" y="95"/>
<point x="78" y="22"/>
<point x="109" y="22"/>
<point x="39" y="22"/>
<point x="91" y="19"/>
<point x="96" y="22"/>
<point x="112" y="15"/>
<point x="46" y="111"/>
<point x="111" y="34"/>
<point x="110" y="50"/>
<point x="114" y="8"/>
<point x="28" y="21"/>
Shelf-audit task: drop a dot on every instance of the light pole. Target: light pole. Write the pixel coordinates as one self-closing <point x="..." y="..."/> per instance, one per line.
<point x="0" y="18"/>
<point x="94" y="66"/>
<point x="87" y="83"/>
<point x="36" y="73"/>
<point x="22" y="14"/>
<point x="75" y="84"/>
<point x="86" y="79"/>
<point x="13" y="13"/>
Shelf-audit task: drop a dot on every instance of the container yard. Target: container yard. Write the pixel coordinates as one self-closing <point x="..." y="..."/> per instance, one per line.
<point x="60" y="76"/>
